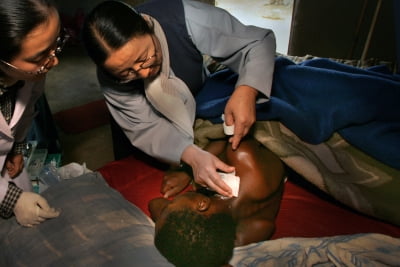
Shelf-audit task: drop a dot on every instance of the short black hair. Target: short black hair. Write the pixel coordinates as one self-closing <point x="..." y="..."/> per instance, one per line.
<point x="110" y="25"/>
<point x="189" y="238"/>
<point x="17" y="19"/>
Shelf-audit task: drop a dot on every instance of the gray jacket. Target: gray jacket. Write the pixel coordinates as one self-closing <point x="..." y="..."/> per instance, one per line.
<point x="247" y="50"/>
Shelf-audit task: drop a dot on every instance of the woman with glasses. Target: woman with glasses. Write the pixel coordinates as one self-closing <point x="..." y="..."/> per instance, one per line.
<point x="30" y="39"/>
<point x="150" y="67"/>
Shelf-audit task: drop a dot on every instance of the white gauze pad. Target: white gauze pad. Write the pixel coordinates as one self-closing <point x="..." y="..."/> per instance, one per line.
<point x="232" y="181"/>
<point x="228" y="130"/>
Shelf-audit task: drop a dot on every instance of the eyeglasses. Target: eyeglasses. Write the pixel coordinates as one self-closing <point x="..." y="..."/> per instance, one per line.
<point x="60" y="43"/>
<point x="145" y="64"/>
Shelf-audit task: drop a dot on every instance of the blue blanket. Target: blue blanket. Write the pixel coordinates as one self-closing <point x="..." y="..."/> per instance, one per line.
<point x="318" y="97"/>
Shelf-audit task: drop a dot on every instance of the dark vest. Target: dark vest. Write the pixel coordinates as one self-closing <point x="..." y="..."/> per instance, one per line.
<point x="186" y="61"/>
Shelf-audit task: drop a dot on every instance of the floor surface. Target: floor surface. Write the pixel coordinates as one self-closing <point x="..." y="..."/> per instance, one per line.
<point x="272" y="14"/>
<point x="73" y="83"/>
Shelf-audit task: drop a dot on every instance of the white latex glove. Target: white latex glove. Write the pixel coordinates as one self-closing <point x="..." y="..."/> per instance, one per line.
<point x="32" y="209"/>
<point x="205" y="166"/>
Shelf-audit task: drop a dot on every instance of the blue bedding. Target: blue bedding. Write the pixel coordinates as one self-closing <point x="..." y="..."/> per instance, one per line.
<point x="318" y="97"/>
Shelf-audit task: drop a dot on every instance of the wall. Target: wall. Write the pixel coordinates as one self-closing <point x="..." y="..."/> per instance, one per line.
<point x="70" y="7"/>
<point x="339" y="29"/>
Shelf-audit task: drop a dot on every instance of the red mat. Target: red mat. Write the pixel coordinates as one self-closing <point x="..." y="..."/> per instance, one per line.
<point x="83" y="118"/>
<point x="302" y="213"/>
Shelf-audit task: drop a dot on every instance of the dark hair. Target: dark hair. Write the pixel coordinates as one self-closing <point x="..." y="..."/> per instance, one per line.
<point x="110" y="25"/>
<point x="188" y="238"/>
<point x="17" y="19"/>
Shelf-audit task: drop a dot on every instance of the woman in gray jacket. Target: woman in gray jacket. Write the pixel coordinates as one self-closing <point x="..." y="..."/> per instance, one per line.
<point x="150" y="67"/>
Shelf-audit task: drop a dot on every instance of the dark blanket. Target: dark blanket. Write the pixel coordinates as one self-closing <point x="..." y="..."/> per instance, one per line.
<point x="318" y="97"/>
<point x="96" y="227"/>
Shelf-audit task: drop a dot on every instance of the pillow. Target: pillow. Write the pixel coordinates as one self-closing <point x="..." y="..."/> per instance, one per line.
<point x="96" y="227"/>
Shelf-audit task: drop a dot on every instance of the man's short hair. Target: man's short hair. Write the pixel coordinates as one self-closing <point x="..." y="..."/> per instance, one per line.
<point x="188" y="238"/>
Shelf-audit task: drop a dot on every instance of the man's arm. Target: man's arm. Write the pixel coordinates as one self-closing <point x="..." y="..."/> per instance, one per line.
<point x="261" y="185"/>
<point x="261" y="171"/>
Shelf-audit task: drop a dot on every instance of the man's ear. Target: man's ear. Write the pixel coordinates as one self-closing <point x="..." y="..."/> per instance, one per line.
<point x="203" y="203"/>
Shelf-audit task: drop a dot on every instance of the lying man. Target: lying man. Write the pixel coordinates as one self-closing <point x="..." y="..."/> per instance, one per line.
<point x="201" y="229"/>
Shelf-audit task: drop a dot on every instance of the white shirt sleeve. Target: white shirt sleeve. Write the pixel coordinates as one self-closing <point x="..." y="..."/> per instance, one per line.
<point x="247" y="50"/>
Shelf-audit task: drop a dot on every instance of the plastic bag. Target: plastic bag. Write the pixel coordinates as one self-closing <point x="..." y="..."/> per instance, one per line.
<point x="72" y="170"/>
<point x="49" y="174"/>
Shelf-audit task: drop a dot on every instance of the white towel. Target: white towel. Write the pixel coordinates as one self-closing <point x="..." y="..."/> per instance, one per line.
<point x="232" y="181"/>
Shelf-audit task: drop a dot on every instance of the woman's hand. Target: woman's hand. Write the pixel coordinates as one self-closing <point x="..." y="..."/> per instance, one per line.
<point x="174" y="182"/>
<point x="205" y="166"/>
<point x="32" y="209"/>
<point x="240" y="111"/>
<point x="14" y="164"/>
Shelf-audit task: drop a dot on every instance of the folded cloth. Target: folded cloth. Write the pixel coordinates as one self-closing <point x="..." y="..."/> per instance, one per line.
<point x="319" y="97"/>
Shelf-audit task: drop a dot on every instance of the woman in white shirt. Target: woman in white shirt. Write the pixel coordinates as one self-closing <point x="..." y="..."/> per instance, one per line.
<point x="31" y="36"/>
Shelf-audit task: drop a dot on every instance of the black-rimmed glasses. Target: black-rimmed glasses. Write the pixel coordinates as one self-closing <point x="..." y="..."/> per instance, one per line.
<point x="149" y="62"/>
<point x="60" y="43"/>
